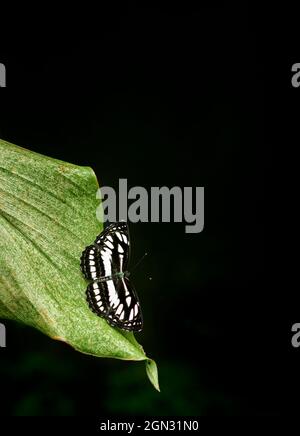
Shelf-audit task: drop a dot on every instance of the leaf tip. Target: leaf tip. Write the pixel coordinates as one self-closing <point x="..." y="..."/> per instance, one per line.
<point x="151" y="369"/>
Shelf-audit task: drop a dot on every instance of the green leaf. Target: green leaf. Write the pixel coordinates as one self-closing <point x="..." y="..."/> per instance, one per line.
<point x="151" y="369"/>
<point x="47" y="217"/>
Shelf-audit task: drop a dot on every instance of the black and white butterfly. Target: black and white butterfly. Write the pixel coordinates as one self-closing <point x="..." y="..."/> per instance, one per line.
<point x="111" y="295"/>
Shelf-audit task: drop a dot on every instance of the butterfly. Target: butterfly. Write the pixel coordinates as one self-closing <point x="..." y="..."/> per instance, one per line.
<point x="111" y="294"/>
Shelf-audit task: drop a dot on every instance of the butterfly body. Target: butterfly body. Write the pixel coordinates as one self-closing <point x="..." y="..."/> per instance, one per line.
<point x="115" y="275"/>
<point x="111" y="294"/>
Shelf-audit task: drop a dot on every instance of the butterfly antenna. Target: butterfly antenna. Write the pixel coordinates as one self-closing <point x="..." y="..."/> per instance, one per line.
<point x="137" y="264"/>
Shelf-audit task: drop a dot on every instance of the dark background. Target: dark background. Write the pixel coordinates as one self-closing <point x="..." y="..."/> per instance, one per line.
<point x="160" y="97"/>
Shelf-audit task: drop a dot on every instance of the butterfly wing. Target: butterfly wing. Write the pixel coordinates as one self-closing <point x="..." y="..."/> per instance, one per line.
<point x="117" y="302"/>
<point x="109" y="254"/>
<point x="127" y="315"/>
<point x="97" y="298"/>
<point x="92" y="263"/>
<point x="114" y="244"/>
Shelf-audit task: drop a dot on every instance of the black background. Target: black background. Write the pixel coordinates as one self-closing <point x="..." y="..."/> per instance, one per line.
<point x="162" y="97"/>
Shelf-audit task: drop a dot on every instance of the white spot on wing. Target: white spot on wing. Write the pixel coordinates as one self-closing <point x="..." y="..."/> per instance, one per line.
<point x="119" y="310"/>
<point x="106" y="258"/>
<point x="120" y="249"/>
<point x="113" y="296"/>
<point x="118" y="234"/>
<point x="131" y="315"/>
<point x="110" y="245"/>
